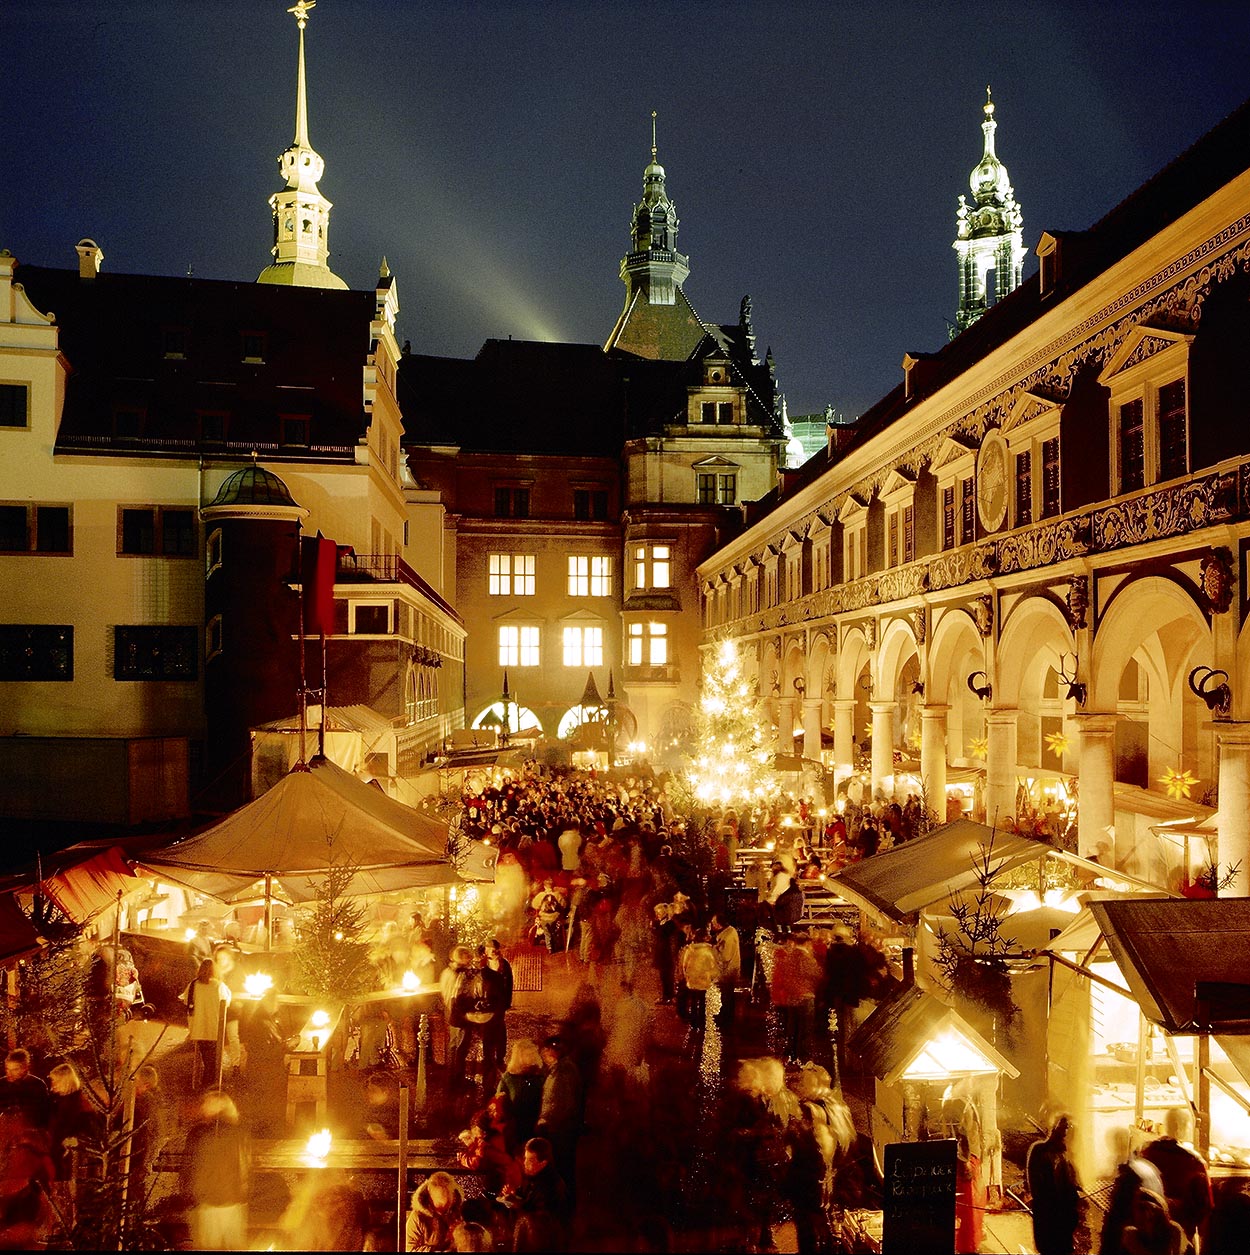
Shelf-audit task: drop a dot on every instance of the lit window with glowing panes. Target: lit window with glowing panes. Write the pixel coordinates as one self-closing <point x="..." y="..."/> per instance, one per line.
<point x="652" y="566"/>
<point x="648" y="644"/>
<point x="583" y="647"/>
<point x="590" y="576"/>
<point x="511" y="574"/>
<point x="518" y="646"/>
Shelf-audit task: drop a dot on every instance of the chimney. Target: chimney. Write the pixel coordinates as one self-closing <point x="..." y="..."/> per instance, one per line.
<point x="90" y="258"/>
<point x="919" y="370"/>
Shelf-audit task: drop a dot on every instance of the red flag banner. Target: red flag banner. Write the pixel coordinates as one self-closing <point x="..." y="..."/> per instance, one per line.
<point x="318" y="565"/>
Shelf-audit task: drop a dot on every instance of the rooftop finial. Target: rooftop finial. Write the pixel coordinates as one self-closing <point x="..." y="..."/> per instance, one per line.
<point x="652" y="134"/>
<point x="989" y="103"/>
<point x="301" y="102"/>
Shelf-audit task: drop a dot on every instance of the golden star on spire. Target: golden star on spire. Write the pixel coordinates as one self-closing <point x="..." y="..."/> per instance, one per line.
<point x="301" y="11"/>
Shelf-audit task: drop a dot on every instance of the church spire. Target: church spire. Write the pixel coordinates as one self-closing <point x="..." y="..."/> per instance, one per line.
<point x="301" y="215"/>
<point x="989" y="235"/>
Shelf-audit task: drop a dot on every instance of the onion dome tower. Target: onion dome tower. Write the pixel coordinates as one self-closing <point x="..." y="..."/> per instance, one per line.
<point x="988" y="232"/>
<point x="657" y="321"/>
<point x="301" y="215"/>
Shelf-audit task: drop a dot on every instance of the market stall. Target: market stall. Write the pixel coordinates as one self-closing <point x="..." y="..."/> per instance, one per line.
<point x="1149" y="1011"/>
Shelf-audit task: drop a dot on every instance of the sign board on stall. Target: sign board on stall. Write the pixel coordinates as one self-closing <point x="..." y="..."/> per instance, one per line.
<point x="919" y="1198"/>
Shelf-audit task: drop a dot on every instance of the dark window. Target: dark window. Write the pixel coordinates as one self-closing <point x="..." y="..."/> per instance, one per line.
<point x="13" y="404"/>
<point x="909" y="533"/>
<point x="1132" y="447"/>
<point x="14" y="534"/>
<point x="139" y="531"/>
<point x="709" y="411"/>
<point x="295" y="429"/>
<point x="512" y="503"/>
<point x="127" y="422"/>
<point x="892" y="556"/>
<point x="254" y="346"/>
<point x="156" y="653"/>
<point x="52" y="529"/>
<point x="149" y="530"/>
<point x="726" y="489"/>
<point x="1050" y="477"/>
<point x="1173" y="441"/>
<point x="581" y="504"/>
<point x="726" y="410"/>
<point x="212" y="427"/>
<point x="1024" y="488"/>
<point x="36" y="652"/>
<point x="967" y="512"/>
<point x="177" y="533"/>
<point x="707" y="489"/>
<point x="948" y="517"/>
<point x="373" y="620"/>
<point x="174" y="342"/>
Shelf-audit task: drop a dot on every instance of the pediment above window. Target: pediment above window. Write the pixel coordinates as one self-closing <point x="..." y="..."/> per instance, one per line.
<point x="1030" y="406"/>
<point x="715" y="463"/>
<point x="953" y="453"/>
<point x="853" y="511"/>
<point x="1141" y="345"/>
<point x="897" y="487"/>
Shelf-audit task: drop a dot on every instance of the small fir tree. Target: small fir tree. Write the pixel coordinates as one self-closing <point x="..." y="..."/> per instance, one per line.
<point x="731" y="763"/>
<point x="333" y="958"/>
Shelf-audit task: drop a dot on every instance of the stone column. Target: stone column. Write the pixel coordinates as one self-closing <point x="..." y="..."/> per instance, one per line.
<point x="785" y="724"/>
<point x="812" y="710"/>
<point x="1096" y="778"/>
<point x="1234" y="812"/>
<point x="1000" y="767"/>
<point x="843" y="738"/>
<point x="882" y="747"/>
<point x="933" y="758"/>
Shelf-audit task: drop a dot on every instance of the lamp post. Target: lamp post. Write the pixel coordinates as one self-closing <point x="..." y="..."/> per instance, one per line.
<point x="507" y="700"/>
<point x="610" y="729"/>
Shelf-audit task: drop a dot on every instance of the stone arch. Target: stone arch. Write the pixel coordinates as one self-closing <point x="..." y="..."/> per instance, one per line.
<point x="1027" y="665"/>
<point x="955" y="650"/>
<point x="898" y="672"/>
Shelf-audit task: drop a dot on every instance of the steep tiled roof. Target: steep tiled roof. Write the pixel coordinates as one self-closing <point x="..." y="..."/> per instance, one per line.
<point x="122" y="334"/>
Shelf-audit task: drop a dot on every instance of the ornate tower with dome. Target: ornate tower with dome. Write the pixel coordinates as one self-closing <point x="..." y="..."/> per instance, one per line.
<point x="988" y="232"/>
<point x="658" y="320"/>
<point x="301" y="215"/>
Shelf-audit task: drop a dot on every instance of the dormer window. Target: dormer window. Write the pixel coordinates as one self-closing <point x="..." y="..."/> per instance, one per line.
<point x="174" y="342"/>
<point x="253" y="344"/>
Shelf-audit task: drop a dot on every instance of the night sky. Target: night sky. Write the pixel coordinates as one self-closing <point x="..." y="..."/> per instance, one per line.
<point x="493" y="150"/>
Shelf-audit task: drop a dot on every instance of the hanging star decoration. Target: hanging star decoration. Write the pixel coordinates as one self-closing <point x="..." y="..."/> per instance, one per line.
<point x="980" y="746"/>
<point x="1179" y="784"/>
<point x="1057" y="743"/>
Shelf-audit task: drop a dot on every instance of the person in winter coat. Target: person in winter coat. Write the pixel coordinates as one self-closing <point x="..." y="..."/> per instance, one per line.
<point x="1186" y="1183"/>
<point x="560" y="1119"/>
<point x="700" y="968"/>
<point x="1058" y="1206"/>
<point x="216" y="1176"/>
<point x="728" y="945"/>
<point x="521" y="1087"/>
<point x="435" y="1212"/>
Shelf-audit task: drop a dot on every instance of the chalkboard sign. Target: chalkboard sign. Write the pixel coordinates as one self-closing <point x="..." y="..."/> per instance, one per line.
<point x="919" y="1197"/>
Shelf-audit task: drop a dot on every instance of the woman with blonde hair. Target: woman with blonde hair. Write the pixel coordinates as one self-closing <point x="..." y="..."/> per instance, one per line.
<point x="521" y="1086"/>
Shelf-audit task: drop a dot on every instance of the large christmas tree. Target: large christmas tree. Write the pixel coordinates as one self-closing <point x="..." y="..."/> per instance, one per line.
<point x="732" y="759"/>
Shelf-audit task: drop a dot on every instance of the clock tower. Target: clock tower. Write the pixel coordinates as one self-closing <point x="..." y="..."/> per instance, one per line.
<point x="988" y="232"/>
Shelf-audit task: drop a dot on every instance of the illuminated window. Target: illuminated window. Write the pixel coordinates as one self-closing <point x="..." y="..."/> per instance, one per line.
<point x="518" y="646"/>
<point x="648" y="644"/>
<point x="511" y="574"/>
<point x="651" y="566"/>
<point x="583" y="646"/>
<point x="590" y="576"/>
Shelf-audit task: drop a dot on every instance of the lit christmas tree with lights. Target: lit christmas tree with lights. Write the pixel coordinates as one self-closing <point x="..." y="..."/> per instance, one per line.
<point x="732" y="760"/>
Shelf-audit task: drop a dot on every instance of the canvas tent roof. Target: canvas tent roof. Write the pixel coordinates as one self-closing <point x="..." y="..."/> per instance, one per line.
<point x="1165" y="946"/>
<point x="901" y="882"/>
<point x="293" y="832"/>
<point x="90" y="882"/>
<point x="17" y="934"/>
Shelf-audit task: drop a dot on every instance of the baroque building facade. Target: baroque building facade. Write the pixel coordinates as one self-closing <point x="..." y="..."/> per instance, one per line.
<point x="1029" y="565"/>
<point x="164" y="443"/>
